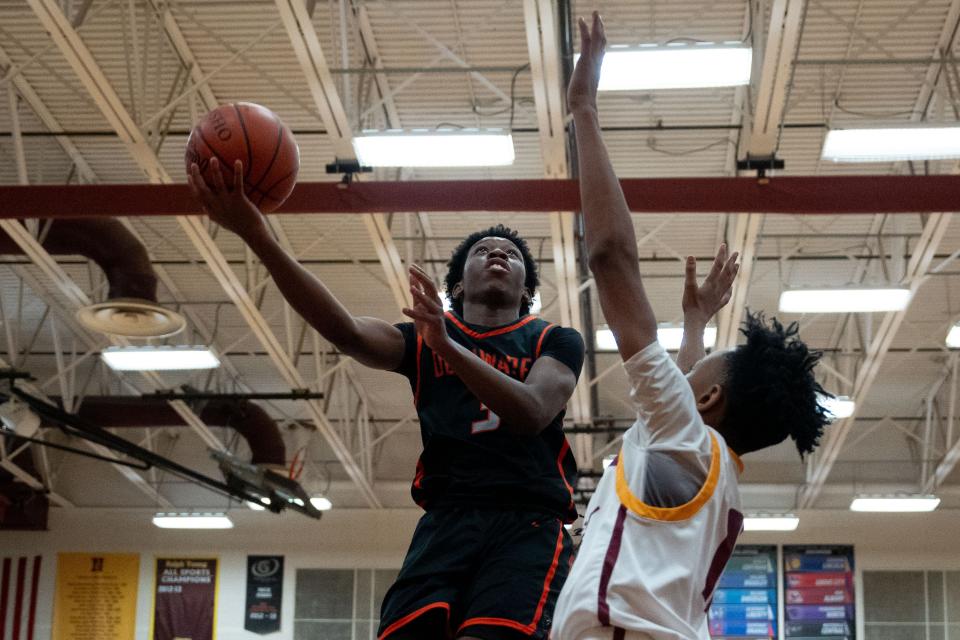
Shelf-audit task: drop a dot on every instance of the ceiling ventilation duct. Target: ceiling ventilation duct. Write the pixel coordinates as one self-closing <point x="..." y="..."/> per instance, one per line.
<point x="131" y="308"/>
<point x="246" y="418"/>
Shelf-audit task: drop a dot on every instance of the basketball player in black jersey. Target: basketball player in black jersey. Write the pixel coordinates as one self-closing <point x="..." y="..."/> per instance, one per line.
<point x="490" y="383"/>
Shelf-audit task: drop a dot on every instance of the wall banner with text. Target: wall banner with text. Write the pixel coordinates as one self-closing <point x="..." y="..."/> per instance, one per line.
<point x="185" y="599"/>
<point x="96" y="596"/>
<point x="264" y="594"/>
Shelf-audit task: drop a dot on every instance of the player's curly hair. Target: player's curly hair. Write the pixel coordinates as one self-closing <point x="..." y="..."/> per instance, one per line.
<point x="771" y="391"/>
<point x="459" y="259"/>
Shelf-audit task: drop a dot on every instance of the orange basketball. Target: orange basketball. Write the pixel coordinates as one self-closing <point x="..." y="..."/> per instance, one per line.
<point x="254" y="135"/>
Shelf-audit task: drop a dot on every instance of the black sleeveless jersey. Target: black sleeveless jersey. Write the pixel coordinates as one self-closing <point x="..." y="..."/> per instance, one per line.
<point x="469" y="458"/>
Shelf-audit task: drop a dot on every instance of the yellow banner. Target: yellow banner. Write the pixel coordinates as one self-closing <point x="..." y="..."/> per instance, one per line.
<point x="96" y="596"/>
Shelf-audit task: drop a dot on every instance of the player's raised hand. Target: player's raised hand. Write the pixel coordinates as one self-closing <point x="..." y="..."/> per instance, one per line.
<point x="701" y="302"/>
<point x="582" y="91"/>
<point x="227" y="205"/>
<point x="427" y="311"/>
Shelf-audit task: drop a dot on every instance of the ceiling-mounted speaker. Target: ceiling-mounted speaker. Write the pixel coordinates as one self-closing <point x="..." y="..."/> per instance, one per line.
<point x="131" y="318"/>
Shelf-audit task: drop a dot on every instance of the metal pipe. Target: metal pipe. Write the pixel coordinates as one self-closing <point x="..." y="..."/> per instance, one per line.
<point x="123" y="258"/>
<point x="246" y="418"/>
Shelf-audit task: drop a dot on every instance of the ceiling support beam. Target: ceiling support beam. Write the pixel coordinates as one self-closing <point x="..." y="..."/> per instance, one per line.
<point x="543" y="46"/>
<point x="33" y="100"/>
<point x="949" y="460"/>
<point x="323" y="88"/>
<point x="779" y="50"/>
<point x="820" y="464"/>
<point x="934" y="228"/>
<point x="106" y="98"/>
<point x="87" y="175"/>
<point x="800" y="195"/>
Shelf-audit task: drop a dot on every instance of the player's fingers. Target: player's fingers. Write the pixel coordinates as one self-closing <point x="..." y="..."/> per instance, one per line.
<point x="193" y="187"/>
<point x="426" y="282"/>
<point x="238" y="176"/>
<point x="418" y="315"/>
<point x="597" y="35"/>
<point x="690" y="273"/>
<point x="718" y="262"/>
<point x="219" y="186"/>
<point x="198" y="182"/>
<point x="584" y="35"/>
<point x="430" y="303"/>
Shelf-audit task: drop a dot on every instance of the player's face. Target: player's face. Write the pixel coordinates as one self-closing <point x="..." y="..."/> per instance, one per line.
<point x="494" y="272"/>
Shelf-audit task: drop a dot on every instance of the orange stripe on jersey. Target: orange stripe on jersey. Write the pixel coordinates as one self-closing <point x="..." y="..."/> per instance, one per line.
<point x="488" y="334"/>
<point x="418" y="477"/>
<point x="543" y="334"/>
<point x="563" y="451"/>
<point x="736" y="458"/>
<point x="526" y="629"/>
<point x="416" y="393"/>
<point x="670" y="514"/>
<point x="411" y="616"/>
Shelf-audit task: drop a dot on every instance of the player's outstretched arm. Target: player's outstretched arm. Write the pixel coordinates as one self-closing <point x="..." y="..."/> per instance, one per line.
<point x="525" y="408"/>
<point x="702" y="302"/>
<point x="371" y="341"/>
<point x="611" y="242"/>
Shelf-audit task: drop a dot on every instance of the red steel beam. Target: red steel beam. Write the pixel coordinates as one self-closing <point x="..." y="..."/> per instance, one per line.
<point x="802" y="195"/>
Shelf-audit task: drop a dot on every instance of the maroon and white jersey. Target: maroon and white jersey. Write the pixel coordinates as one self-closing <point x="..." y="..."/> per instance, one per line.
<point x="663" y="521"/>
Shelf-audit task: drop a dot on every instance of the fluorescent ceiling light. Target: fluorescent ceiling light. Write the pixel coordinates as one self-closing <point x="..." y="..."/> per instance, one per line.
<point x="838" y="406"/>
<point x="844" y="300"/>
<point x="675" y="67"/>
<point x="894" y="504"/>
<point x="891" y="144"/>
<point x="453" y="148"/>
<point x="321" y="504"/>
<point x="159" y="358"/>
<point x="669" y="338"/>
<point x="192" y="521"/>
<point x="953" y="338"/>
<point x="764" y="522"/>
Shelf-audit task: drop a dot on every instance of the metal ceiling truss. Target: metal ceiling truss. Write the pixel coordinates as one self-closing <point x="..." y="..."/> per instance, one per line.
<point x="20" y="85"/>
<point x="106" y="98"/>
<point x="914" y="275"/>
<point x="820" y="463"/>
<point x="306" y="44"/>
<point x="779" y="49"/>
<point x="541" y="23"/>
<point x="932" y="479"/>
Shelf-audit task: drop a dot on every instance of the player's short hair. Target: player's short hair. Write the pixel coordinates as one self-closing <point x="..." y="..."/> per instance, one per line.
<point x="771" y="391"/>
<point x="459" y="259"/>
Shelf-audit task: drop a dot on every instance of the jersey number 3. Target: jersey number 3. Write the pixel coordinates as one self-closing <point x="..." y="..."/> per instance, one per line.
<point x="491" y="422"/>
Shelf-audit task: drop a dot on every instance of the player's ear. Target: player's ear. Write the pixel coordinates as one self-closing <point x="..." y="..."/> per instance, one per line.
<point x="711" y="399"/>
<point x="457" y="291"/>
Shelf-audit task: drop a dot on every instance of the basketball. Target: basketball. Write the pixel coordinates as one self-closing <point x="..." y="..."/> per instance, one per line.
<point x="254" y="135"/>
